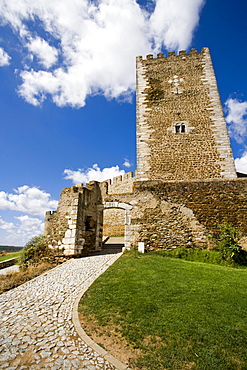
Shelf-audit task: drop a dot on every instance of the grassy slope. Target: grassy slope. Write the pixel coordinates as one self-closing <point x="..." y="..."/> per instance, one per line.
<point x="8" y="256"/>
<point x="183" y="315"/>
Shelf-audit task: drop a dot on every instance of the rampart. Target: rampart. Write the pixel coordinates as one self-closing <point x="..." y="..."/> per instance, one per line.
<point x="119" y="185"/>
<point x="187" y="212"/>
<point x="160" y="214"/>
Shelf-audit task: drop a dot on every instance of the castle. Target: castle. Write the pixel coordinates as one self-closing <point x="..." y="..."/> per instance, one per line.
<point x="185" y="183"/>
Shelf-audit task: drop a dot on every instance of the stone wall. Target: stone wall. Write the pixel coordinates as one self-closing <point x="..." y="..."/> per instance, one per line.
<point x="160" y="214"/>
<point x="118" y="185"/>
<point x="160" y="223"/>
<point x="113" y="222"/>
<point x="73" y="226"/>
<point x="184" y="213"/>
<point x="181" y="131"/>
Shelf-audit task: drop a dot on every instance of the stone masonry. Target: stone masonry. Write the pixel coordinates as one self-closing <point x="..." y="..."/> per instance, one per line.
<point x="185" y="183"/>
<point x="181" y="131"/>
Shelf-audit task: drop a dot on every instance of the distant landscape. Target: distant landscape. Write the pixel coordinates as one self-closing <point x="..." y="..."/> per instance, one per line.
<point x="9" y="249"/>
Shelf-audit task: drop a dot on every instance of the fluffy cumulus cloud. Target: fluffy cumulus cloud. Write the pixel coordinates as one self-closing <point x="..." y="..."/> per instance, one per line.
<point x="93" y="173"/>
<point x="30" y="226"/>
<point x="237" y="119"/>
<point x="4" y="58"/>
<point x="7" y="226"/>
<point x="19" y="232"/>
<point x="46" y="54"/>
<point x="173" y="22"/>
<point x="27" y="199"/>
<point x="79" y="48"/>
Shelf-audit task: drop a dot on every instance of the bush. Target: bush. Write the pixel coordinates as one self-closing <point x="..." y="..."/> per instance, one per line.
<point x="194" y="254"/>
<point x="34" y="251"/>
<point x="227" y="244"/>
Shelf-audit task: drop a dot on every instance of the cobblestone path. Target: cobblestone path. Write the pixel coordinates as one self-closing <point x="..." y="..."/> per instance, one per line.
<point x="36" y="328"/>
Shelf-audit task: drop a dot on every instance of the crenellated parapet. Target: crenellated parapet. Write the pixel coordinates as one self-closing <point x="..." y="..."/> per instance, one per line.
<point x="119" y="185"/>
<point x="171" y="54"/>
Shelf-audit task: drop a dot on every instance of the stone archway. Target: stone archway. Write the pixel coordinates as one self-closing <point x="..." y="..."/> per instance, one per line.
<point x="127" y="222"/>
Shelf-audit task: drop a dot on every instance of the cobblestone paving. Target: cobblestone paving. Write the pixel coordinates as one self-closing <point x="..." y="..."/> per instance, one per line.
<point x="36" y="328"/>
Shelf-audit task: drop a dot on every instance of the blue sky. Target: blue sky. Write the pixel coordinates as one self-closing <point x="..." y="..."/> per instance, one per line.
<point x="67" y="90"/>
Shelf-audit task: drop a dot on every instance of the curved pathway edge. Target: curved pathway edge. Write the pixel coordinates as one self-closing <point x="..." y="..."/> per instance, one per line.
<point x="101" y="351"/>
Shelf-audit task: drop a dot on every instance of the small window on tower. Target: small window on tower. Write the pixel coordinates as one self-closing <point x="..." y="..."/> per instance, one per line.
<point x="180" y="129"/>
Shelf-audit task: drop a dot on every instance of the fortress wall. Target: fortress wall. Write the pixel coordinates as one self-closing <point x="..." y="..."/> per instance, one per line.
<point x="62" y="223"/>
<point x="119" y="185"/>
<point x="73" y="226"/>
<point x="185" y="212"/>
<point x="163" y="215"/>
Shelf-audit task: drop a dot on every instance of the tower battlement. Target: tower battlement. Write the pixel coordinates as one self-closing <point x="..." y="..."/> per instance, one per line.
<point x="181" y="53"/>
<point x="119" y="184"/>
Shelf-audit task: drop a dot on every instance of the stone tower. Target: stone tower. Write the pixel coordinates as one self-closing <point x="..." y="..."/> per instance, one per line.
<point x="181" y="130"/>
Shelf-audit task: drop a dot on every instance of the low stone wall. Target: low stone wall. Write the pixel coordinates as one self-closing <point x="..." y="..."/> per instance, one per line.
<point x="7" y="263"/>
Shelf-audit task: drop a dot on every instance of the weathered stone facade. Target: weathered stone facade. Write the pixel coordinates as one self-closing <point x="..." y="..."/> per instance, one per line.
<point x="186" y="181"/>
<point x="181" y="131"/>
<point x="73" y="226"/>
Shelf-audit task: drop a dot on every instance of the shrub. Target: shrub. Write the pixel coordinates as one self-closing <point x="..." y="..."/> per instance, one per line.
<point x="194" y="254"/>
<point x="227" y="244"/>
<point x="33" y="251"/>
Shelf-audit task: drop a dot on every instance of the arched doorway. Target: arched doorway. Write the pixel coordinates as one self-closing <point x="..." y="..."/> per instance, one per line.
<point x="127" y="221"/>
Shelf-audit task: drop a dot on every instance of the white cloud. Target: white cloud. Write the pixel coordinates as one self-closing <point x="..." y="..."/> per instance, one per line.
<point x="241" y="163"/>
<point x="20" y="232"/>
<point x="173" y="22"/>
<point x="27" y="199"/>
<point x="96" y="41"/>
<point x="4" y="58"/>
<point x="7" y="226"/>
<point x="93" y="173"/>
<point x="237" y="119"/>
<point x="30" y="226"/>
<point x="46" y="54"/>
<point x="127" y="163"/>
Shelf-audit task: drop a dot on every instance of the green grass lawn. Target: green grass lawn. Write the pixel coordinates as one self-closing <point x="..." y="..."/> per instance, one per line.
<point x="181" y="314"/>
<point x="8" y="256"/>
